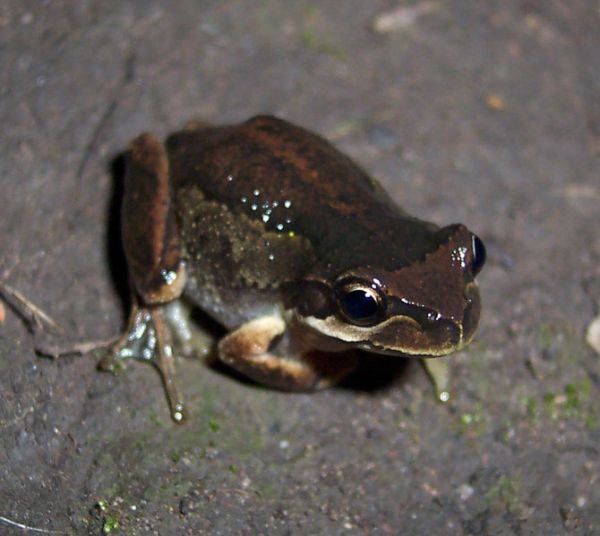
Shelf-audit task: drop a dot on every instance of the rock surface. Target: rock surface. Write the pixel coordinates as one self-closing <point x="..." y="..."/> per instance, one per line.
<point x="486" y="113"/>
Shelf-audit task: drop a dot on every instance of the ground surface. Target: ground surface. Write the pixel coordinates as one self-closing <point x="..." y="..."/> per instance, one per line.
<point x="482" y="112"/>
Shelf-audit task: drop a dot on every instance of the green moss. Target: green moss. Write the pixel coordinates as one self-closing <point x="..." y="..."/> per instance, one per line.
<point x="467" y="419"/>
<point x="550" y="405"/>
<point x="572" y="394"/>
<point x="111" y="523"/>
<point x="590" y="421"/>
<point x="175" y="456"/>
<point x="471" y="423"/>
<point x="573" y="403"/>
<point x="531" y="407"/>
<point x="214" y="425"/>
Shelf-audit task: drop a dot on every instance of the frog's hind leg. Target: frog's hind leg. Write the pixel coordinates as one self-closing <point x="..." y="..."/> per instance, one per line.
<point x="191" y="338"/>
<point x="149" y="228"/>
<point x="253" y="349"/>
<point x="157" y="272"/>
<point x="148" y="338"/>
<point x="164" y="360"/>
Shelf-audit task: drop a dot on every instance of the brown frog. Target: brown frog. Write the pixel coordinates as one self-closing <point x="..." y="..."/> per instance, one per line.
<point x="293" y="249"/>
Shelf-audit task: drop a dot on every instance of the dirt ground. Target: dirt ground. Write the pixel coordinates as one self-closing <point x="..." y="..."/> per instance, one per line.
<point x="486" y="113"/>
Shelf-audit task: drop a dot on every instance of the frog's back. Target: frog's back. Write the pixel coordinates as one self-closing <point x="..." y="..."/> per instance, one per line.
<point x="237" y="201"/>
<point x="281" y="169"/>
<point x="296" y="183"/>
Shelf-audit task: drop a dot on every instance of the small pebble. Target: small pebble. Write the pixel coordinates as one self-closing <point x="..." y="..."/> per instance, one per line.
<point x="465" y="492"/>
<point x="593" y="334"/>
<point x="401" y="17"/>
<point x="495" y="102"/>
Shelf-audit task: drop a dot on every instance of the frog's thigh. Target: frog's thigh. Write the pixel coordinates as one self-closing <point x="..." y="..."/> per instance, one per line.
<point x="149" y="228"/>
<point x="247" y="350"/>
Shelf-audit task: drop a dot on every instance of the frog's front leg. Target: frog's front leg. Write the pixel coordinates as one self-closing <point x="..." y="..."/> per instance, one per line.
<point x="252" y="350"/>
<point x="157" y="272"/>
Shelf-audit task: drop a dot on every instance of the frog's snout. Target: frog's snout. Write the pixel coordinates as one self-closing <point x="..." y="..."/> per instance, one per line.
<point x="471" y="313"/>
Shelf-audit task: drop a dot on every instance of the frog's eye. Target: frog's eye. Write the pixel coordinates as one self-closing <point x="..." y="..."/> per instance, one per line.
<point x="360" y="304"/>
<point x="479" y="255"/>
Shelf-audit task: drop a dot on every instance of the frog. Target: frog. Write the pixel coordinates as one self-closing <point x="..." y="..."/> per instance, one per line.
<point x="293" y="249"/>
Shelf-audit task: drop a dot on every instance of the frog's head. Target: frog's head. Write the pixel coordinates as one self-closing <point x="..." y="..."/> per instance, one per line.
<point x="430" y="307"/>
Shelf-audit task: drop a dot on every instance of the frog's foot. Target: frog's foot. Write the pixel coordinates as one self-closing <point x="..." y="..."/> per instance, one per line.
<point x="190" y="339"/>
<point x="148" y="338"/>
<point x="249" y="351"/>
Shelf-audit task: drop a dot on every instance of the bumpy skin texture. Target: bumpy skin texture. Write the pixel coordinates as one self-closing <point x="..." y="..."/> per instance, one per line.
<point x="320" y="193"/>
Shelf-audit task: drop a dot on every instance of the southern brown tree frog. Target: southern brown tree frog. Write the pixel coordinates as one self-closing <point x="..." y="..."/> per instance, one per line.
<point x="293" y="249"/>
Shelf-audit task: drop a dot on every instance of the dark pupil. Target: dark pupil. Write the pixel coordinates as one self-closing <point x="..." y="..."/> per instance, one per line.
<point x="359" y="305"/>
<point x="479" y="255"/>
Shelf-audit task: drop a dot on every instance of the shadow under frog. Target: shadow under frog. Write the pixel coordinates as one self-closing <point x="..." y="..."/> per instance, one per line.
<point x="294" y="252"/>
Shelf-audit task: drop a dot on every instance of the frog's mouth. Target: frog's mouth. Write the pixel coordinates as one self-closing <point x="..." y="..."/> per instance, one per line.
<point x="403" y="335"/>
<point x="407" y="337"/>
<point x="426" y="337"/>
